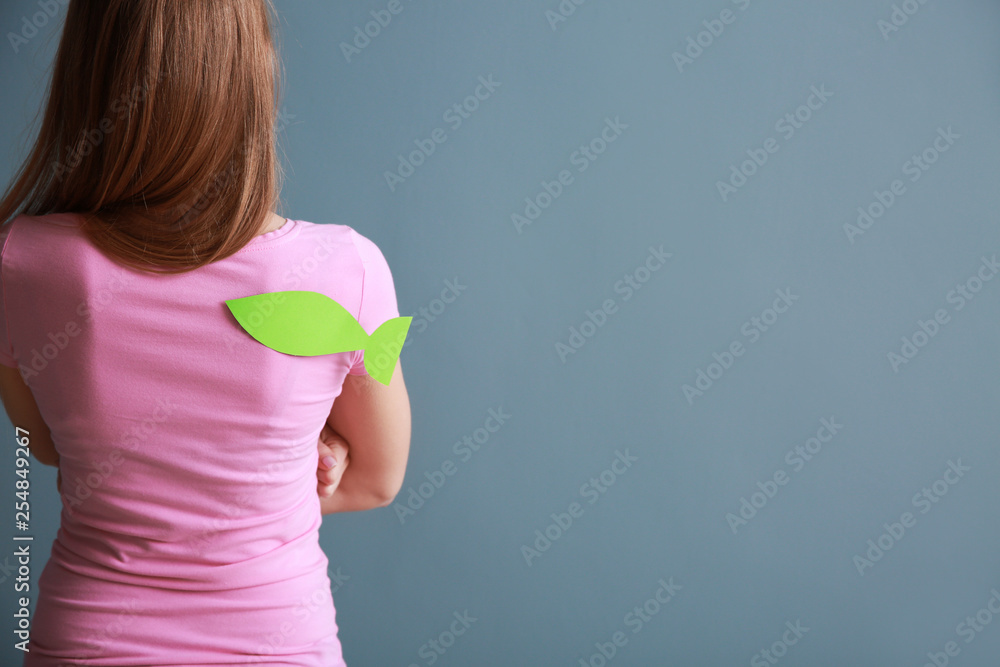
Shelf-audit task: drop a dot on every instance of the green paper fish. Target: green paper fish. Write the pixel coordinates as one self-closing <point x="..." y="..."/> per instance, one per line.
<point x="309" y="324"/>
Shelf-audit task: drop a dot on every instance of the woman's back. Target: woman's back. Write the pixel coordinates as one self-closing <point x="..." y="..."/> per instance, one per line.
<point x="187" y="449"/>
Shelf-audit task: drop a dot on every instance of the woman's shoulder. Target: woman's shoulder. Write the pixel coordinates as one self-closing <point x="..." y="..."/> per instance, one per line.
<point x="341" y="235"/>
<point x="22" y="227"/>
<point x="47" y="220"/>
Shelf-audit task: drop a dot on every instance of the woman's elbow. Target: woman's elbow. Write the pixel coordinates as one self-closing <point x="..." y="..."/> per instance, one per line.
<point x="387" y="492"/>
<point x="46" y="457"/>
<point x="393" y="483"/>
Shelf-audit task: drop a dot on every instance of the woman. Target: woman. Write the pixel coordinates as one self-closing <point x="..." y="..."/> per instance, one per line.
<point x="187" y="450"/>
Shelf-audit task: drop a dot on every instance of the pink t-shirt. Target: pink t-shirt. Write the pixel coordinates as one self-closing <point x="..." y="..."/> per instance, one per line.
<point x="188" y="450"/>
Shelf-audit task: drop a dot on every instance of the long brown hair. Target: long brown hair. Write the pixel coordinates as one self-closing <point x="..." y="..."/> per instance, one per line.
<point x="159" y="130"/>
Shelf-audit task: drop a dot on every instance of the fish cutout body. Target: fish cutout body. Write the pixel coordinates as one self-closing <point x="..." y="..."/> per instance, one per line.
<point x="309" y="324"/>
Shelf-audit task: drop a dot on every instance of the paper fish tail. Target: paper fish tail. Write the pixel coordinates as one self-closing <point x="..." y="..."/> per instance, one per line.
<point x="384" y="346"/>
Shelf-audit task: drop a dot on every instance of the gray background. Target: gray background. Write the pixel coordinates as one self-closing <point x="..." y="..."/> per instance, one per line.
<point x="399" y="582"/>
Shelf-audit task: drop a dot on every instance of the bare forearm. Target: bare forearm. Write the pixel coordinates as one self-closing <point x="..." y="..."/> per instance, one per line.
<point x="353" y="494"/>
<point x="375" y="419"/>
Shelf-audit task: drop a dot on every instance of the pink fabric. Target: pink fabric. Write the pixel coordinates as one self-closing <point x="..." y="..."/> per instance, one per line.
<point x="189" y="528"/>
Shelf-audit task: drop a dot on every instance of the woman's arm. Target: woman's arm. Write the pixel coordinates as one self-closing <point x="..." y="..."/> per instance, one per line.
<point x="375" y="420"/>
<point x="23" y="412"/>
<point x="356" y="497"/>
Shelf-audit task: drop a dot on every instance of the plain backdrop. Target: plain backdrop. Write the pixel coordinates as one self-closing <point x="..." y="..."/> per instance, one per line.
<point x="513" y="243"/>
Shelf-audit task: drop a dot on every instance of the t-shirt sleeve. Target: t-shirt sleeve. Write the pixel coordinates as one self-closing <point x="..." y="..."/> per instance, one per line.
<point x="378" y="294"/>
<point x="6" y="351"/>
